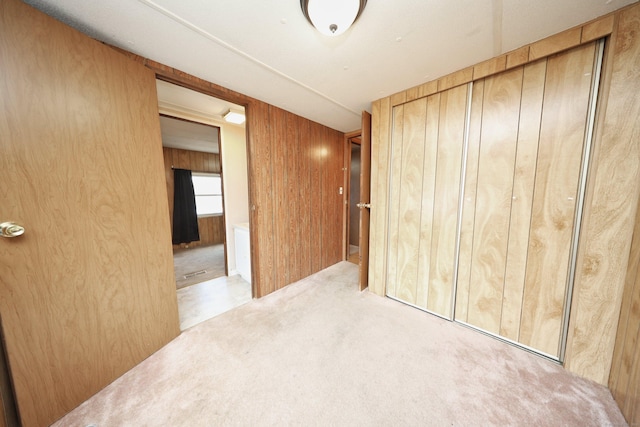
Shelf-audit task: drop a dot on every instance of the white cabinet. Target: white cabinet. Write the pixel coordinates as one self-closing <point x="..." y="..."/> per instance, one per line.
<point x="243" y="252"/>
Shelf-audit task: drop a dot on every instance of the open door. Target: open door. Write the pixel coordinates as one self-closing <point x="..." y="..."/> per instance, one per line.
<point x="365" y="198"/>
<point x="86" y="283"/>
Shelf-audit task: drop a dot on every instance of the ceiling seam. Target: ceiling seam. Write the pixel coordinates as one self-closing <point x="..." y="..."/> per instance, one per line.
<point x="237" y="51"/>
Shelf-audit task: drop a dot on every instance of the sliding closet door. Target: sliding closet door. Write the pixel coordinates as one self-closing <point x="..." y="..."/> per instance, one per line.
<point x="427" y="146"/>
<point x="521" y="195"/>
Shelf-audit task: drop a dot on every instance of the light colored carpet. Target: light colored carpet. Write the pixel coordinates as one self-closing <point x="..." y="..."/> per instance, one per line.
<point x="321" y="353"/>
<point x="187" y="262"/>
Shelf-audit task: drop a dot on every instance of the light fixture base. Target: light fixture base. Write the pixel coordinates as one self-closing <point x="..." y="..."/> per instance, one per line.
<point x="332" y="17"/>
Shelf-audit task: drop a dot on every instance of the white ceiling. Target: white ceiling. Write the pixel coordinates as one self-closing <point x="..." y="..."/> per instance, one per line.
<point x="188" y="135"/>
<point x="268" y="50"/>
<point x="192" y="106"/>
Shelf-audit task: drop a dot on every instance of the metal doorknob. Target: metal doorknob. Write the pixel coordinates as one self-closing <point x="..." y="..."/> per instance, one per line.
<point x="363" y="205"/>
<point x="11" y="229"/>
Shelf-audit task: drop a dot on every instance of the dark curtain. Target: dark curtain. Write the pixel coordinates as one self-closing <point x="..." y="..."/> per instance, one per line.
<point x="185" y="218"/>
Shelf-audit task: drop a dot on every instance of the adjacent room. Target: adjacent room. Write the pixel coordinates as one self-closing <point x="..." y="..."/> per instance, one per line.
<point x="211" y="248"/>
<point x="272" y="213"/>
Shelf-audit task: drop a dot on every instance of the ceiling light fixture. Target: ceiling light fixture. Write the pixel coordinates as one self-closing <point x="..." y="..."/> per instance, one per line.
<point x="235" y="117"/>
<point x="332" y="17"/>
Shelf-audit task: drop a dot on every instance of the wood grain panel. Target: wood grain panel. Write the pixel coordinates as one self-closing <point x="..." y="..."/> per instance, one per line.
<point x="316" y="191"/>
<point x="394" y="199"/>
<point x="518" y="57"/>
<point x="326" y="153"/>
<point x="409" y="206"/>
<point x="455" y="79"/>
<point x="167" y="156"/>
<point x="490" y="66"/>
<point x="597" y="29"/>
<point x="428" y="88"/>
<point x="432" y="116"/>
<point x="567" y="87"/>
<point x="261" y="193"/>
<point x="449" y="162"/>
<point x="88" y="292"/>
<point x="413" y="93"/>
<point x="612" y="195"/>
<point x="469" y="207"/>
<point x="398" y="98"/>
<point x="496" y="164"/>
<point x="292" y="193"/>
<point x="182" y="159"/>
<point x="306" y="198"/>
<point x="522" y="199"/>
<point x="623" y="380"/>
<point x="556" y="43"/>
<point x="278" y="127"/>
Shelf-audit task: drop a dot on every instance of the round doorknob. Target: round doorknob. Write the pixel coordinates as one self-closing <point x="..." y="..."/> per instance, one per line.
<point x="11" y="229"/>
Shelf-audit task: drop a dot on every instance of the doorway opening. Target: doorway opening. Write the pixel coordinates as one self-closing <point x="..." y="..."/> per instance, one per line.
<point x="353" y="244"/>
<point x="211" y="269"/>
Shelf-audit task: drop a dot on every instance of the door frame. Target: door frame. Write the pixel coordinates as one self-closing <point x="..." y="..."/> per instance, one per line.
<point x="350" y="137"/>
<point x="188" y="82"/>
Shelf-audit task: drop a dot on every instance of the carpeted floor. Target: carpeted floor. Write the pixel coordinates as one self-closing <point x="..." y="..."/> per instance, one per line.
<point x="199" y="264"/>
<point x="321" y="353"/>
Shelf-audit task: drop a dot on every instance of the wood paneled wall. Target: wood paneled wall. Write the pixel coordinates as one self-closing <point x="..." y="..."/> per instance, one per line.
<point x="295" y="171"/>
<point x="295" y="175"/>
<point x="211" y="227"/>
<point x="624" y="380"/>
<point x="612" y="190"/>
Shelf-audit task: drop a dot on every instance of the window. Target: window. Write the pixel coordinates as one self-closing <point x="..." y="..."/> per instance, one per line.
<point x="208" y="190"/>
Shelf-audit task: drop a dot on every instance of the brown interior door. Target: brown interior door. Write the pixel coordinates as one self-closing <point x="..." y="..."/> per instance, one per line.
<point x="365" y="198"/>
<point x="87" y="291"/>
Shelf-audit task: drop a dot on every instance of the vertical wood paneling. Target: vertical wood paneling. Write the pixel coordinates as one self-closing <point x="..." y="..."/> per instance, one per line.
<point x="306" y="198"/>
<point x="432" y="118"/>
<point x="277" y="119"/>
<point x="500" y="116"/>
<point x="261" y="190"/>
<point x="608" y="225"/>
<point x="182" y="159"/>
<point x="293" y="196"/>
<point x="449" y="161"/>
<point x="469" y="204"/>
<point x="567" y="88"/>
<point x="394" y="199"/>
<point x="316" y="191"/>
<point x="624" y="380"/>
<point x="326" y="153"/>
<point x="522" y="199"/>
<point x="409" y="211"/>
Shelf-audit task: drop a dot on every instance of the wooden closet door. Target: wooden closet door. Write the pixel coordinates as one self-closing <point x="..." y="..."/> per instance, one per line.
<point x="426" y="162"/>
<point x="521" y="191"/>
<point x="562" y="135"/>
